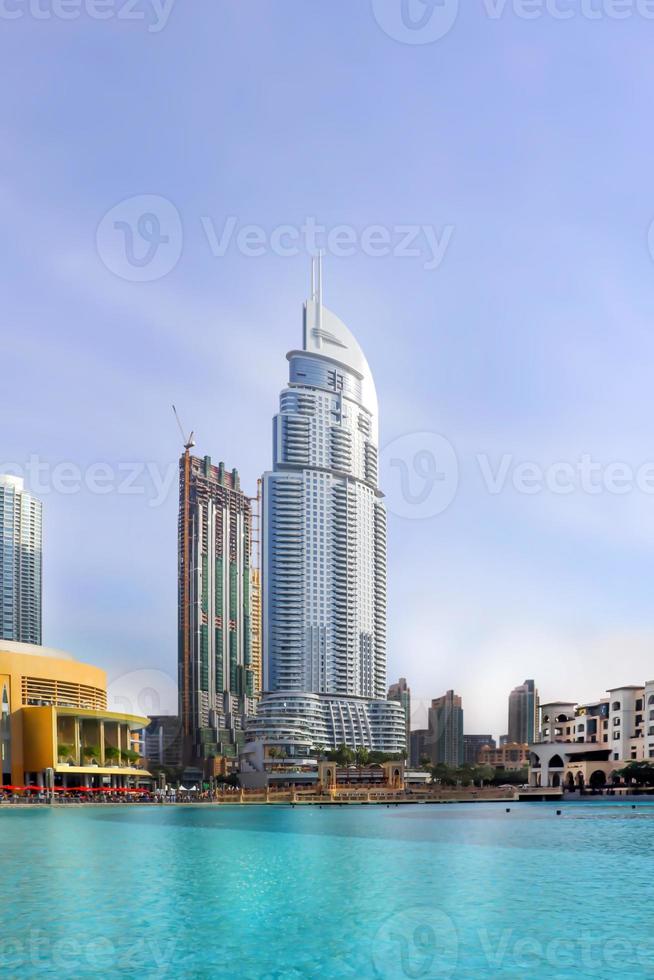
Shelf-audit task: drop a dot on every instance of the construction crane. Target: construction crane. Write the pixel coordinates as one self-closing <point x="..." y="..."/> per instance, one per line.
<point x="185" y="553"/>
<point x="187" y="442"/>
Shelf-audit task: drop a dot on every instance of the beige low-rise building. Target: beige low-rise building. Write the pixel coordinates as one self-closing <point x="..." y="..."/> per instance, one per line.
<point x="511" y="756"/>
<point x="582" y="745"/>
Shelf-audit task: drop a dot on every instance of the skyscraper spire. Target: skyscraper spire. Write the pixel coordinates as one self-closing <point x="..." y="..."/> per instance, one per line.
<point x="316" y="295"/>
<point x="316" y="277"/>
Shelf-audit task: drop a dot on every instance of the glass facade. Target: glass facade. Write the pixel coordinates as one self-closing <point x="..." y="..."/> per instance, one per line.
<point x="216" y="677"/>
<point x="324" y="538"/>
<point x="20" y="562"/>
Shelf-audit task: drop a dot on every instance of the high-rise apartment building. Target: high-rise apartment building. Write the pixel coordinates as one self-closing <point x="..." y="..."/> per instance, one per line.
<point x="324" y="548"/>
<point x="446" y="730"/>
<point x="419" y="746"/>
<point x="163" y="741"/>
<point x="523" y="713"/>
<point x="217" y="683"/>
<point x="257" y="662"/>
<point x="400" y="691"/>
<point x="20" y="562"/>
<point x="472" y="746"/>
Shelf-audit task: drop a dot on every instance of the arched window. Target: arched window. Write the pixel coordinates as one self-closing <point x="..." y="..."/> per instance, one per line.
<point x="650" y="699"/>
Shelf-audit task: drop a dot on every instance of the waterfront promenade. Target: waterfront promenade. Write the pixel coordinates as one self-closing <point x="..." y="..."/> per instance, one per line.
<point x="300" y="797"/>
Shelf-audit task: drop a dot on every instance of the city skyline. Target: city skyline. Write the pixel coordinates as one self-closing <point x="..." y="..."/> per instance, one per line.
<point x="529" y="340"/>
<point x="326" y="488"/>
<point x="421" y="705"/>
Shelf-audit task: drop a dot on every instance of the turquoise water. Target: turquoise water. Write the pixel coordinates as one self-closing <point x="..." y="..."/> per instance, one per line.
<point x="279" y="892"/>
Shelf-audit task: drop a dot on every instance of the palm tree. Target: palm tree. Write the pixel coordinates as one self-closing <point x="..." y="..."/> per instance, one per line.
<point x="362" y="756"/>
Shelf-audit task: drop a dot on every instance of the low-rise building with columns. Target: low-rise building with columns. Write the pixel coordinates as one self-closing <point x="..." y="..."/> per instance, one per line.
<point x="582" y="745"/>
<point x="54" y="723"/>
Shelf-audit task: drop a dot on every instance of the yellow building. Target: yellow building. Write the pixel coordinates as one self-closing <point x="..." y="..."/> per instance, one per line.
<point x="53" y="716"/>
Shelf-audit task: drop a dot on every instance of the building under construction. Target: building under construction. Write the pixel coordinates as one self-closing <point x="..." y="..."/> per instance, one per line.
<point x="217" y="682"/>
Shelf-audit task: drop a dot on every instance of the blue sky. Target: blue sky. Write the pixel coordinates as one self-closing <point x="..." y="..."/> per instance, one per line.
<point x="525" y="142"/>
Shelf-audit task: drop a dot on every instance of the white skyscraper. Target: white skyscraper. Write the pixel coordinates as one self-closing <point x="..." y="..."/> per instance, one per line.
<point x="20" y="562"/>
<point x="324" y="548"/>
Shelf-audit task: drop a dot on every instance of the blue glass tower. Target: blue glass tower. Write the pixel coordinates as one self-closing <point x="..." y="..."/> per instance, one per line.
<point x="20" y="562"/>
